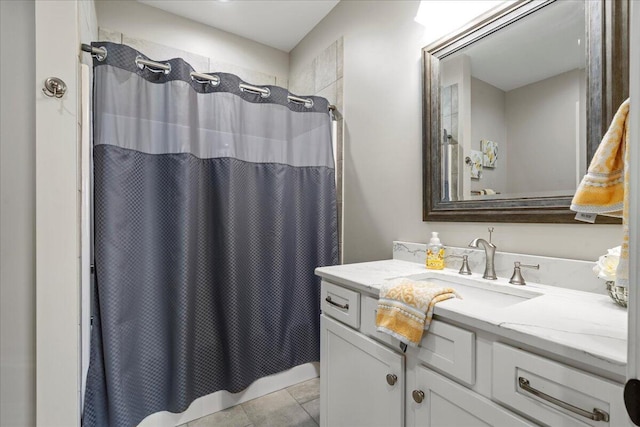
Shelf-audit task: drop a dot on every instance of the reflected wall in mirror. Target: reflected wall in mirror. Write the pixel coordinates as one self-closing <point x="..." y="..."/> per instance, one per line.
<point x="514" y="106"/>
<point x="524" y="100"/>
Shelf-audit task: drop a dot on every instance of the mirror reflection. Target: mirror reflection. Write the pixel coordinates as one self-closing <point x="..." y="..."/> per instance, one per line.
<point x="513" y="109"/>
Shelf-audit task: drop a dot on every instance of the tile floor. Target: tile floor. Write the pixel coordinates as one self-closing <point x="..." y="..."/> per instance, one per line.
<point x="296" y="406"/>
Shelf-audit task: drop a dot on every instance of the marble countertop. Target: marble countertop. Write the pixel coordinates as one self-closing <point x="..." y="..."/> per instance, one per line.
<point x="586" y="328"/>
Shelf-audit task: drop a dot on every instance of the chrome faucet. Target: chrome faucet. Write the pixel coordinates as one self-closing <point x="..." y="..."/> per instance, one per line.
<point x="489" y="252"/>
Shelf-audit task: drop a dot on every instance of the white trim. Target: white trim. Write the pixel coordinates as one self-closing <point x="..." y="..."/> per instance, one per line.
<point x="57" y="217"/>
<point x="633" y="348"/>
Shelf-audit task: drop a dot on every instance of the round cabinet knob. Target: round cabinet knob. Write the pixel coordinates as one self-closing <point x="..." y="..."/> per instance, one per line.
<point x="418" y="395"/>
<point x="392" y="379"/>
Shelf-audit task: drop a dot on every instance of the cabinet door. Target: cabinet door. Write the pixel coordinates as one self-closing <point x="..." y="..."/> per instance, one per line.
<point x="361" y="381"/>
<point x="445" y="403"/>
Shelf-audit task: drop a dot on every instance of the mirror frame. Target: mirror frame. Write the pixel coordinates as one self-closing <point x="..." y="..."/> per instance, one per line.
<point x="607" y="71"/>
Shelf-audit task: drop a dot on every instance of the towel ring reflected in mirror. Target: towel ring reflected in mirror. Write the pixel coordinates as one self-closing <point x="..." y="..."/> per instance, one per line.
<point x="459" y="71"/>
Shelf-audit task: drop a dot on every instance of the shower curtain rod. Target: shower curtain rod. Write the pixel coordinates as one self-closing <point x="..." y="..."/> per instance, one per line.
<point x="101" y="54"/>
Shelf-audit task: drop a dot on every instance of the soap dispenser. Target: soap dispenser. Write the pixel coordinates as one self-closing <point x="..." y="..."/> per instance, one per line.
<point x="435" y="253"/>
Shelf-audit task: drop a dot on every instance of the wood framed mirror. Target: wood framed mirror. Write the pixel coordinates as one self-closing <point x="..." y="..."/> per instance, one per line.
<point x="515" y="105"/>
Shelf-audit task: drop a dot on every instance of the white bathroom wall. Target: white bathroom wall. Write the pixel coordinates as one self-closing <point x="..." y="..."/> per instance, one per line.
<point x="149" y="29"/>
<point x="383" y="137"/>
<point x="535" y="127"/>
<point x="17" y="214"/>
<point x="548" y="108"/>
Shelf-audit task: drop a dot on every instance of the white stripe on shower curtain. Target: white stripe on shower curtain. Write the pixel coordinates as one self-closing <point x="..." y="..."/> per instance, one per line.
<point x="85" y="225"/>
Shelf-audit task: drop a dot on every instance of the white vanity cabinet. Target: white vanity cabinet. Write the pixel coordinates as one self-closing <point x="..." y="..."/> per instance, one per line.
<point x="458" y="376"/>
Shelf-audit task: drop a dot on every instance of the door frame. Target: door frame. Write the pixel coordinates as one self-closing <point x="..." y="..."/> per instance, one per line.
<point x="57" y="217"/>
<point x="633" y="342"/>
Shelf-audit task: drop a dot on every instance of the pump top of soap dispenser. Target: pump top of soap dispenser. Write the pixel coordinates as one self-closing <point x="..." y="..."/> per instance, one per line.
<point x="435" y="240"/>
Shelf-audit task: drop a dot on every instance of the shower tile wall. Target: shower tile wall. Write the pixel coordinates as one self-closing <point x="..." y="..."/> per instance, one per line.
<point x="449" y="111"/>
<point x="323" y="77"/>
<point x="160" y="52"/>
<point x="109" y="36"/>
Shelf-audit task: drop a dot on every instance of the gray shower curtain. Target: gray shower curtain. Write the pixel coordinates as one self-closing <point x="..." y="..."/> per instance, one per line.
<point x="213" y="206"/>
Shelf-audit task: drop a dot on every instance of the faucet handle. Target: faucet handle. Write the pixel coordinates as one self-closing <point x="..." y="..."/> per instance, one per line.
<point x="464" y="269"/>
<point x="516" y="278"/>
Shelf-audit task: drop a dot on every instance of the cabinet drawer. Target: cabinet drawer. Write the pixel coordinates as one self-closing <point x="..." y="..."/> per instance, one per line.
<point x="550" y="386"/>
<point x="341" y="304"/>
<point x="444" y="347"/>
<point x="451" y="350"/>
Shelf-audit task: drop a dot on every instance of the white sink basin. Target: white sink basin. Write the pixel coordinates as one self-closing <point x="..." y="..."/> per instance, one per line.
<point x="480" y="292"/>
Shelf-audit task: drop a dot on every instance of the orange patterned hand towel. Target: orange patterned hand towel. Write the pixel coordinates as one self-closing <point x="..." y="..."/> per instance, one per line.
<point x="405" y="308"/>
<point x="602" y="188"/>
<point x="605" y="187"/>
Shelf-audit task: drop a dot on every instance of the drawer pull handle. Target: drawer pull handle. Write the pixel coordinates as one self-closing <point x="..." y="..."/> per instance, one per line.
<point x="343" y="307"/>
<point x="392" y="379"/>
<point x="596" y="415"/>
<point x="418" y="396"/>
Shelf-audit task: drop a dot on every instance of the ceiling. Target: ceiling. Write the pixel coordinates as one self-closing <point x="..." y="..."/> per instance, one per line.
<point x="277" y="23"/>
<point x="541" y="45"/>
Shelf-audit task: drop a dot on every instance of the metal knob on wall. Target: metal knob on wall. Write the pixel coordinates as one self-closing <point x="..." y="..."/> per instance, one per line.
<point x="54" y="87"/>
